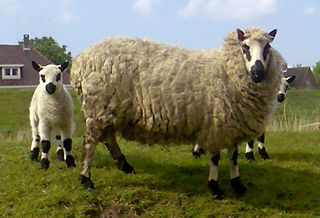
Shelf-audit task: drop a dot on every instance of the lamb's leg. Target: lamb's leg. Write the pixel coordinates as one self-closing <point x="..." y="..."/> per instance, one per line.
<point x="60" y="150"/>
<point x="34" y="153"/>
<point x="87" y="158"/>
<point x="262" y="151"/>
<point x="213" y="177"/>
<point x="67" y="145"/>
<point x="234" y="172"/>
<point x="117" y="156"/>
<point x="197" y="151"/>
<point x="34" y="150"/>
<point x="45" y="135"/>
<point x="249" y="151"/>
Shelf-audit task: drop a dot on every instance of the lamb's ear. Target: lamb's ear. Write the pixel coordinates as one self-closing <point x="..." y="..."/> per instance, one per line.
<point x="273" y="33"/>
<point x="64" y="66"/>
<point x="36" y="66"/>
<point x="291" y="78"/>
<point x="240" y="35"/>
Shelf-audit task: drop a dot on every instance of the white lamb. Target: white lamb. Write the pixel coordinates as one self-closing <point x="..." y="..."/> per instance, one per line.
<point x="51" y="110"/>
<point x="155" y="93"/>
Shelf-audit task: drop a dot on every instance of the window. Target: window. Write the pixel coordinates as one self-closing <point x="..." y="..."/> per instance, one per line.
<point x="11" y="71"/>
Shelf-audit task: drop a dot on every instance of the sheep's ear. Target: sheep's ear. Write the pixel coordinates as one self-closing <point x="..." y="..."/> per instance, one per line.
<point x="273" y="33"/>
<point x="64" y="66"/>
<point x="36" y="66"/>
<point x="240" y="34"/>
<point x="291" y="78"/>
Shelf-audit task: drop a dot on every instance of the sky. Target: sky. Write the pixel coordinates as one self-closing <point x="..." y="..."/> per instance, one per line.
<point x="194" y="24"/>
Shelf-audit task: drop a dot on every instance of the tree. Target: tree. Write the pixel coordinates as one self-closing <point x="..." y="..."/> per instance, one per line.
<point x="316" y="72"/>
<point x="48" y="47"/>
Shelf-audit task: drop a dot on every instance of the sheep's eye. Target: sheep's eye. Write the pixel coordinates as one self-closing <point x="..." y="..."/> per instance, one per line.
<point x="245" y="50"/>
<point x="266" y="51"/>
<point x="43" y="78"/>
<point x="58" y="77"/>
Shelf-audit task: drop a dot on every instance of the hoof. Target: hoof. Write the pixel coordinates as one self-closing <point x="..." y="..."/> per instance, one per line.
<point x="86" y="182"/>
<point x="70" y="161"/>
<point x="216" y="193"/>
<point x="34" y="153"/>
<point x="127" y="168"/>
<point x="250" y="156"/>
<point x="196" y="154"/>
<point x="60" y="154"/>
<point x="263" y="153"/>
<point x="44" y="163"/>
<point x="237" y="186"/>
<point x="124" y="166"/>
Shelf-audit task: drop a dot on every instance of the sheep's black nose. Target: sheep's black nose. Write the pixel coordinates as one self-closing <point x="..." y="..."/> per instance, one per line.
<point x="257" y="72"/>
<point x="51" y="88"/>
<point x="280" y="97"/>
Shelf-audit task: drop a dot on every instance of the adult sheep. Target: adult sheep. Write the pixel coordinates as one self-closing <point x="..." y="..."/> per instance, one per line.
<point x="51" y="109"/>
<point x="155" y="93"/>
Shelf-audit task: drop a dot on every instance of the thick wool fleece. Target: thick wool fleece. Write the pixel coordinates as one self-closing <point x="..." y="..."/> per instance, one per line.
<point x="153" y="92"/>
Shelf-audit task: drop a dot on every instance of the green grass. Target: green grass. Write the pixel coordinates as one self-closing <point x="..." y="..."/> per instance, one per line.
<point x="169" y="181"/>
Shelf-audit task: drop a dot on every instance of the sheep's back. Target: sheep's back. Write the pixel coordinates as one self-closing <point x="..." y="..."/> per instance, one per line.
<point x="147" y="90"/>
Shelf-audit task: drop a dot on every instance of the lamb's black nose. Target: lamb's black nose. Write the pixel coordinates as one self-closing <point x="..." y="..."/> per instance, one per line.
<point x="51" y="88"/>
<point x="281" y="97"/>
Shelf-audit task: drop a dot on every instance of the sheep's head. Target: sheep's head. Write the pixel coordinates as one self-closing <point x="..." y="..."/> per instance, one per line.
<point x="255" y="46"/>
<point x="285" y="81"/>
<point x="50" y="76"/>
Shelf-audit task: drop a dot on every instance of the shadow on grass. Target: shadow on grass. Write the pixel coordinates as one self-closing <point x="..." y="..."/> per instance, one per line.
<point x="268" y="186"/>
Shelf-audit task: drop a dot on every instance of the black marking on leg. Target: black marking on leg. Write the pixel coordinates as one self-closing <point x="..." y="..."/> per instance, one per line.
<point x="44" y="163"/>
<point x="215" y="159"/>
<point x="237" y="186"/>
<point x="196" y="154"/>
<point x="60" y="154"/>
<point x="216" y="192"/>
<point x="37" y="138"/>
<point x="70" y="161"/>
<point x="123" y="165"/>
<point x="58" y="137"/>
<point x="67" y="144"/>
<point x="45" y="146"/>
<point x="34" y="153"/>
<point x="86" y="182"/>
<point x="250" y="144"/>
<point x="261" y="138"/>
<point x="263" y="153"/>
<point x="250" y="156"/>
<point x="235" y="157"/>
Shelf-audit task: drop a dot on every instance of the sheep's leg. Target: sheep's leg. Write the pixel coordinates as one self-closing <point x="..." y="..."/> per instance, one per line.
<point x="197" y="150"/>
<point x="34" y="150"/>
<point x="249" y="151"/>
<point x="45" y="135"/>
<point x="262" y="151"/>
<point x="87" y="157"/>
<point x="67" y="145"/>
<point x="234" y="172"/>
<point x="34" y="153"/>
<point x="213" y="177"/>
<point x="60" y="150"/>
<point x="117" y="156"/>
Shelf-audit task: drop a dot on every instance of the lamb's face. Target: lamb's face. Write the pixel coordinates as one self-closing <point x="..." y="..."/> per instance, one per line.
<point x="255" y="53"/>
<point x="285" y="81"/>
<point x="50" y="76"/>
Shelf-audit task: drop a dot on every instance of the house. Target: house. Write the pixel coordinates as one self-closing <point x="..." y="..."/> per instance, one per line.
<point x="15" y="64"/>
<point x="304" y="78"/>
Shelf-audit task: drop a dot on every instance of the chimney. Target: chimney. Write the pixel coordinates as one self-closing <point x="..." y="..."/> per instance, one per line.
<point x="26" y="45"/>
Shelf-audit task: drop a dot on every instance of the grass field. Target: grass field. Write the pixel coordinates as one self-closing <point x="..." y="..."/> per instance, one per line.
<point x="169" y="181"/>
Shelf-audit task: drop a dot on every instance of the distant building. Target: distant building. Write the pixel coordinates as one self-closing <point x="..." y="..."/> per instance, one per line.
<point x="304" y="78"/>
<point x="15" y="64"/>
